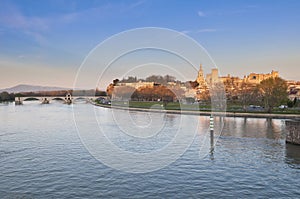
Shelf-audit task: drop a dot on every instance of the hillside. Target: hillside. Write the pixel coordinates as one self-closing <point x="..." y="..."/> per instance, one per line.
<point x="31" y="88"/>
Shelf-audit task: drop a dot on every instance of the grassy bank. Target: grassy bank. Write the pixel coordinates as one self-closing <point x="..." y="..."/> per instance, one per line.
<point x="196" y="107"/>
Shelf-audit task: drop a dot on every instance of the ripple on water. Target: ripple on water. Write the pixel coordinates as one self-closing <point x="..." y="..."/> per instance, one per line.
<point x="46" y="159"/>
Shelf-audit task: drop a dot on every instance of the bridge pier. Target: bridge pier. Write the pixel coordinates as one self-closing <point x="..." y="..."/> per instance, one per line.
<point x="45" y="100"/>
<point x="68" y="98"/>
<point x="293" y="131"/>
<point x="18" y="101"/>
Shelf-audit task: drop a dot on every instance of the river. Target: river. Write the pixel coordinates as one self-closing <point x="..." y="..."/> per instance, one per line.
<point x="42" y="155"/>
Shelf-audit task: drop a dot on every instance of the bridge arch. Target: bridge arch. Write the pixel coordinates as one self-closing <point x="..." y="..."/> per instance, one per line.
<point x="31" y="98"/>
<point x="67" y="99"/>
<point x="58" y="98"/>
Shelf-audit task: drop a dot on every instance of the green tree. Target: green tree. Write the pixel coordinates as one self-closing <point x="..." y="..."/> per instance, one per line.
<point x="274" y="92"/>
<point x="110" y="87"/>
<point x="295" y="101"/>
<point x="4" y="96"/>
<point x="290" y="103"/>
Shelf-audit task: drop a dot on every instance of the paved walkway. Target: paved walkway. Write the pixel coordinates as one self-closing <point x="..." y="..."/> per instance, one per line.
<point x="207" y="113"/>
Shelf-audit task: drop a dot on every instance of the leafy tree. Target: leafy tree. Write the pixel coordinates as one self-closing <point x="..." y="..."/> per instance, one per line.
<point x="116" y="81"/>
<point x="169" y="78"/>
<point x="110" y="87"/>
<point x="4" y="96"/>
<point x="163" y="93"/>
<point x="100" y="93"/>
<point x="290" y="103"/>
<point x="155" y="78"/>
<point x="129" y="79"/>
<point x="274" y="92"/>
<point x="295" y="101"/>
<point x="203" y="95"/>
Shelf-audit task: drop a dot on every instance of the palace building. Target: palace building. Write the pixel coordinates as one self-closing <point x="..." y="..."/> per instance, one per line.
<point x="213" y="77"/>
<point x="231" y="83"/>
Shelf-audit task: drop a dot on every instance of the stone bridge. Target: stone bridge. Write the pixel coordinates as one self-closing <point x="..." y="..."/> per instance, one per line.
<point x="68" y="99"/>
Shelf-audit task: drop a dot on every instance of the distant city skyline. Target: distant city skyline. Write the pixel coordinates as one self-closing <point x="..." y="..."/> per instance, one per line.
<point x="44" y="43"/>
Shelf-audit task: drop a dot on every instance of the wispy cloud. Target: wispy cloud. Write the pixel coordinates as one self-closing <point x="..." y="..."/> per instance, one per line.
<point x="201" y="14"/>
<point x="11" y="17"/>
<point x="99" y="12"/>
<point x="206" y="30"/>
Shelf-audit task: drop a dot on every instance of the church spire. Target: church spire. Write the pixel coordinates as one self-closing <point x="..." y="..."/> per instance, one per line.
<point x="200" y="78"/>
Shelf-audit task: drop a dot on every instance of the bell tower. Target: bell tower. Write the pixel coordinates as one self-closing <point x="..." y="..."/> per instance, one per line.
<point x="200" y="78"/>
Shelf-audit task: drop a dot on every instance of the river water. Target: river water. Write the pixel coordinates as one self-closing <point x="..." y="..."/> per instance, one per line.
<point x="42" y="155"/>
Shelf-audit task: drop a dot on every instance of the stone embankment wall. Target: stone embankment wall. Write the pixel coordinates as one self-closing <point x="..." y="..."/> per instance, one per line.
<point x="293" y="131"/>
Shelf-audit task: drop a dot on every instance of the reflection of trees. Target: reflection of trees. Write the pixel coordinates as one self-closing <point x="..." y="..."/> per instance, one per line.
<point x="273" y="130"/>
<point x="254" y="128"/>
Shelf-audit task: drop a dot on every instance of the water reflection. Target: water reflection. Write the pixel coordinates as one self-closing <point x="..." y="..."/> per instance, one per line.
<point x="41" y="154"/>
<point x="292" y="155"/>
<point x="254" y="128"/>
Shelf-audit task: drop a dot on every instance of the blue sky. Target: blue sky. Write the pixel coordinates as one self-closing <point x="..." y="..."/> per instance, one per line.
<point x="44" y="42"/>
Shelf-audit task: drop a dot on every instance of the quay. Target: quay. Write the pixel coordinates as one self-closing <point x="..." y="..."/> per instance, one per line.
<point x="293" y="131"/>
<point x="206" y="113"/>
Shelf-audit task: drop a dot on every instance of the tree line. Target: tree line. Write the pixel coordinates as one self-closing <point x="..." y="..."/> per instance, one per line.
<point x="270" y="93"/>
<point x="6" y="97"/>
<point x="152" y="78"/>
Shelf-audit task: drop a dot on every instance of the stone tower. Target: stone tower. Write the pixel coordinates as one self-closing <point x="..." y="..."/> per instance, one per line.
<point x="200" y="77"/>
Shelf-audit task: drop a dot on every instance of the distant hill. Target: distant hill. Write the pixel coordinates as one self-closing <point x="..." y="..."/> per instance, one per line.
<point x="31" y="88"/>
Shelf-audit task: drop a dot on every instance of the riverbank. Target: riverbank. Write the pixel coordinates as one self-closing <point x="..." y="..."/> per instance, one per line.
<point x="205" y="113"/>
